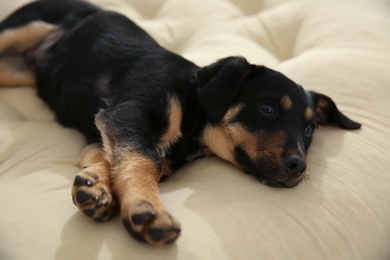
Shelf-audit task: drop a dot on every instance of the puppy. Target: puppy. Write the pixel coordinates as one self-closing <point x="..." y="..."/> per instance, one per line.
<point x="147" y="111"/>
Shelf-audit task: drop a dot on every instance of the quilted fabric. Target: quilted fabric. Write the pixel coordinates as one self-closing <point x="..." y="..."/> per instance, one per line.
<point x="341" y="48"/>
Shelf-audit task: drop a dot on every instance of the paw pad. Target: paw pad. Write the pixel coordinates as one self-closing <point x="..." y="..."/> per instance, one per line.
<point x="93" y="196"/>
<point x="152" y="226"/>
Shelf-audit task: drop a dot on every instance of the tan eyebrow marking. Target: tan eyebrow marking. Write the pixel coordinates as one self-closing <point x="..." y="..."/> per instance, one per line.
<point x="308" y="114"/>
<point x="286" y="102"/>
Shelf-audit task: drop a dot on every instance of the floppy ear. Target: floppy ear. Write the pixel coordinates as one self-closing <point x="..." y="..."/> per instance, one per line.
<point x="327" y="113"/>
<point x="219" y="84"/>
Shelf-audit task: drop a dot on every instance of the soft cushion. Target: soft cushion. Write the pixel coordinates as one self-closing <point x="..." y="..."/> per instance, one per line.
<point x="340" y="48"/>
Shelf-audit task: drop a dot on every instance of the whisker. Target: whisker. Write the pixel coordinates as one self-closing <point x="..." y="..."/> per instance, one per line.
<point x="306" y="176"/>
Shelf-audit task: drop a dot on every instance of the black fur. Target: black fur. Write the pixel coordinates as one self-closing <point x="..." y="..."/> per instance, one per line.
<point x="104" y="61"/>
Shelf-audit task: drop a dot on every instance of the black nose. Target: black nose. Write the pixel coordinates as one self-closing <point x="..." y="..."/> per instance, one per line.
<point x="295" y="164"/>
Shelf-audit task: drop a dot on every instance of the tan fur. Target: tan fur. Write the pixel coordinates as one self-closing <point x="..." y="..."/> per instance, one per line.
<point x="308" y="114"/>
<point x="14" y="72"/>
<point x="321" y="106"/>
<point x="135" y="181"/>
<point x="286" y="103"/>
<point x="218" y="139"/>
<point x="135" y="178"/>
<point x="222" y="139"/>
<point x="90" y="154"/>
<point x="262" y="145"/>
<point x="129" y="168"/>
<point x="108" y="145"/>
<point x="173" y="132"/>
<point x="166" y="169"/>
<point x="96" y="170"/>
<point x="23" y="38"/>
<point x="256" y="143"/>
<point x="232" y="112"/>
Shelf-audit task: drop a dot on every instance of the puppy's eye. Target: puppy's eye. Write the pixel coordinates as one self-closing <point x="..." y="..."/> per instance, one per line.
<point x="309" y="130"/>
<point x="268" y="109"/>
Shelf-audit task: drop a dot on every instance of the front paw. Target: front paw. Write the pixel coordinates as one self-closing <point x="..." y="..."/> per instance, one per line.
<point x="145" y="223"/>
<point x="92" y="193"/>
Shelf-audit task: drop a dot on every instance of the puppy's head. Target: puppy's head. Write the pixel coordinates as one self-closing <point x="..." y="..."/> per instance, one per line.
<point x="260" y="120"/>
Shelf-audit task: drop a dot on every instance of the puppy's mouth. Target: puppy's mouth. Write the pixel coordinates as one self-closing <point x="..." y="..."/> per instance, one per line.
<point x="258" y="169"/>
<point x="288" y="183"/>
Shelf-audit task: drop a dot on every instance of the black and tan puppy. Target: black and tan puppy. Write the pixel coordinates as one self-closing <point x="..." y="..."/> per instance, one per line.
<point x="147" y="111"/>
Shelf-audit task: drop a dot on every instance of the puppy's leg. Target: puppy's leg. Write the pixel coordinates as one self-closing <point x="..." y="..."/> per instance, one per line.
<point x="14" y="72"/>
<point x="142" y="212"/>
<point x="136" y="171"/>
<point x="21" y="39"/>
<point x="26" y="40"/>
<point x="92" y="192"/>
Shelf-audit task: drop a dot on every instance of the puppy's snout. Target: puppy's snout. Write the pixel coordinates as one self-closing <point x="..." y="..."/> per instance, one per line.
<point x="295" y="164"/>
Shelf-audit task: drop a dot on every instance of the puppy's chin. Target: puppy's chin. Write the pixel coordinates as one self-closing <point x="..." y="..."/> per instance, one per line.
<point x="289" y="183"/>
<point x="293" y="182"/>
<point x="280" y="180"/>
